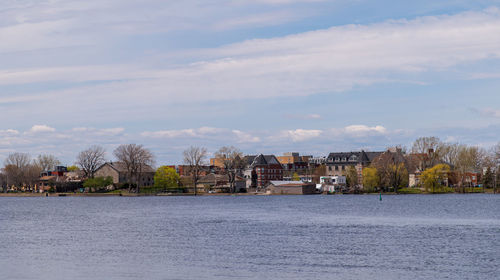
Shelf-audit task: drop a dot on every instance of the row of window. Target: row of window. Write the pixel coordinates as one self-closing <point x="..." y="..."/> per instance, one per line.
<point x="263" y="170"/>
<point x="337" y="168"/>
<point x="338" y="159"/>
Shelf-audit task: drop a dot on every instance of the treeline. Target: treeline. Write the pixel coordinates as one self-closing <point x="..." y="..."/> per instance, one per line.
<point x="438" y="165"/>
<point x="21" y="170"/>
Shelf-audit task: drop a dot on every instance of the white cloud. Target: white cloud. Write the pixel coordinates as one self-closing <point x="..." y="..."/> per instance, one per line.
<point x="209" y="130"/>
<point x="42" y="24"/>
<point x="66" y="144"/>
<point x="330" y="60"/>
<point x="299" y="135"/>
<point x="170" y="133"/>
<point x="360" y="130"/>
<point x="112" y="131"/>
<point x="102" y="131"/>
<point x="182" y="133"/>
<point x="244" y="137"/>
<point x="41" y="129"/>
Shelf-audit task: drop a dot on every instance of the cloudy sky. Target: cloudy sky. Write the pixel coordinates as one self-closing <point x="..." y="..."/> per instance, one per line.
<point x="312" y="76"/>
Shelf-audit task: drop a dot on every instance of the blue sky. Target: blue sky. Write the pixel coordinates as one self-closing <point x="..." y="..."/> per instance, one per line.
<point x="266" y="76"/>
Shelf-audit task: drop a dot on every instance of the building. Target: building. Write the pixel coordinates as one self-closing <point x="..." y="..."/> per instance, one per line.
<point x="262" y="169"/>
<point x="59" y="171"/>
<point x="59" y="179"/>
<point x="294" y="162"/>
<point x="217" y="162"/>
<point x="290" y="187"/>
<point x="220" y="183"/>
<point x="185" y="170"/>
<point x="472" y="179"/>
<point x="337" y="164"/>
<point x="291" y="158"/>
<point x="317" y="161"/>
<point x="118" y="171"/>
<point x="331" y="184"/>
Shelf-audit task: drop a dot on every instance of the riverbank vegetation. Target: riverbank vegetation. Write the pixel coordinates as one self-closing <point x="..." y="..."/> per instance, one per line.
<point x="428" y="166"/>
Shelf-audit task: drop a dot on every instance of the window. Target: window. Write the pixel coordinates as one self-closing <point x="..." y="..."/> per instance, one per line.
<point x="336" y="168"/>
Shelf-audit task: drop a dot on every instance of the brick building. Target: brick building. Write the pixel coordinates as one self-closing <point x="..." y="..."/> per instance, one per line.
<point x="262" y="169"/>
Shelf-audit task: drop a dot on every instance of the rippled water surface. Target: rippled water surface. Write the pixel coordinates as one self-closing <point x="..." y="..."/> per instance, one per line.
<point x="251" y="237"/>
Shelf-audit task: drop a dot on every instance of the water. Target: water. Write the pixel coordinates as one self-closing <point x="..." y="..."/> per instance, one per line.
<point x="251" y="237"/>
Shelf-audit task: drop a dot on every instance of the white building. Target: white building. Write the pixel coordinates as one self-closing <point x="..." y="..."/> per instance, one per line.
<point x="331" y="183"/>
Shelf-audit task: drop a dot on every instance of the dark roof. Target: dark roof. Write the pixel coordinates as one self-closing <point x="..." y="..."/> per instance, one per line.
<point x="373" y="155"/>
<point x="261" y="159"/>
<point x="353" y="157"/>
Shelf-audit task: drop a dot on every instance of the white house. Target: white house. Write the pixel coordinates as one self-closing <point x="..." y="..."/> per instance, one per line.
<point x="331" y="183"/>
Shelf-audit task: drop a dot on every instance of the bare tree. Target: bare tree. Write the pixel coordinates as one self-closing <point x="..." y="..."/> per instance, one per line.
<point x="46" y="162"/>
<point x="20" y="160"/>
<point x="424" y="144"/>
<point x="31" y="175"/>
<point x="16" y="165"/>
<point x="233" y="162"/>
<point x="448" y="153"/>
<point x="392" y="169"/>
<point x="194" y="157"/>
<point x="3" y="180"/>
<point x="136" y="159"/>
<point x="428" y="150"/>
<point x="90" y="160"/>
<point x="496" y="162"/>
<point x="469" y="159"/>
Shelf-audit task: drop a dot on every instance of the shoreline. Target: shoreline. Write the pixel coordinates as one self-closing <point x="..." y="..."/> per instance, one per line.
<point x="192" y="194"/>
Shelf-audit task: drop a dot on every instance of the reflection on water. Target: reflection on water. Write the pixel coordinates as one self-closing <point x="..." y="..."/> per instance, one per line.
<point x="251" y="237"/>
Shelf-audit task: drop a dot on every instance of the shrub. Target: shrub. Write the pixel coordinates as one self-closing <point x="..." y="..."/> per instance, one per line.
<point x="409" y="191"/>
<point x="444" y="190"/>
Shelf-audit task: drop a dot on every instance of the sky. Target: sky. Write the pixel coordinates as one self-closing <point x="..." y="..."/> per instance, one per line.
<point x="266" y="76"/>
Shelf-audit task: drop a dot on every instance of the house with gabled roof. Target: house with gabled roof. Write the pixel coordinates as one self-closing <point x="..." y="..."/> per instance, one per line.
<point x="118" y="171"/>
<point x="262" y="169"/>
<point x="338" y="163"/>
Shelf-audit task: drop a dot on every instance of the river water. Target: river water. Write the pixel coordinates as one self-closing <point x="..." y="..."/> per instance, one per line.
<point x="251" y="237"/>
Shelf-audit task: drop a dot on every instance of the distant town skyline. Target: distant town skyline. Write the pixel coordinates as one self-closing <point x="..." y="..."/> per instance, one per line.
<point x="266" y="76"/>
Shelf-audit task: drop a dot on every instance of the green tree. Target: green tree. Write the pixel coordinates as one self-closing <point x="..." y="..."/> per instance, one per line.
<point x="166" y="178"/>
<point x="73" y="168"/>
<point x="296" y="177"/>
<point x="400" y="176"/>
<point x="371" y="180"/>
<point x="352" y="177"/>
<point x="488" y="179"/>
<point x="97" y="183"/>
<point x="433" y="178"/>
